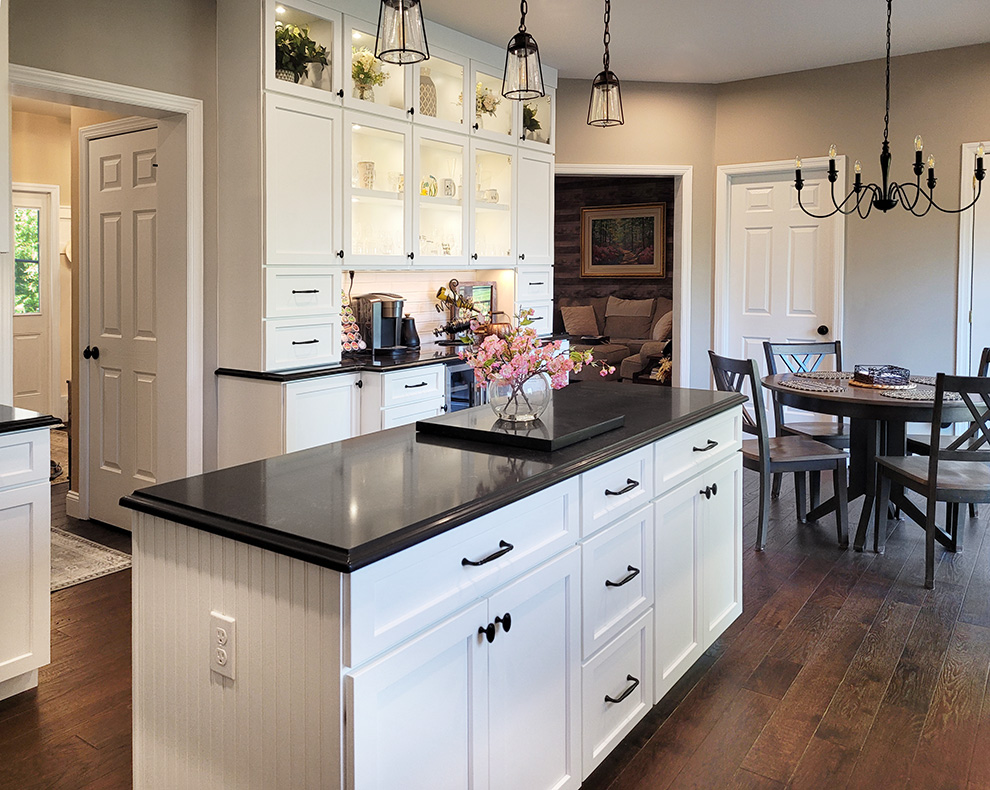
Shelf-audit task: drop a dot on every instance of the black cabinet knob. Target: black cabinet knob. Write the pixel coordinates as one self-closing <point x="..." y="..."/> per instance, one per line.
<point x="506" y="621"/>
<point x="488" y="631"/>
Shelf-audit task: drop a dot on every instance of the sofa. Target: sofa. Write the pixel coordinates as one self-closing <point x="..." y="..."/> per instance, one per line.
<point x="627" y="323"/>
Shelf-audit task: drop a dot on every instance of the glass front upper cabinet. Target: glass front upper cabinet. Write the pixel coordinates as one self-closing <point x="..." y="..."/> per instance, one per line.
<point x="375" y="211"/>
<point x="441" y="81"/>
<point x="303" y="28"/>
<point x="371" y="84"/>
<point x="536" y="122"/>
<point x="492" y="205"/>
<point x="493" y="113"/>
<point x="440" y="200"/>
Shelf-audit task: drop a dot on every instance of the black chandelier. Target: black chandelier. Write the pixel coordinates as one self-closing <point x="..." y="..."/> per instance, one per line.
<point x="401" y="37"/>
<point x="523" y="77"/>
<point x="605" y="106"/>
<point x="865" y="197"/>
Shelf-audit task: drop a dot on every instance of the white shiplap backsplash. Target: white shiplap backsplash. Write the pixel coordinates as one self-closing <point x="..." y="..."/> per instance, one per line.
<point x="420" y="287"/>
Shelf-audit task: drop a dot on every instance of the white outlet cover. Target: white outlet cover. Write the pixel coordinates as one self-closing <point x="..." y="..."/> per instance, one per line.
<point x="223" y="643"/>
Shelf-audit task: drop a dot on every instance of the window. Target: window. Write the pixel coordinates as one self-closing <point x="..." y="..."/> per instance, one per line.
<point x="27" y="256"/>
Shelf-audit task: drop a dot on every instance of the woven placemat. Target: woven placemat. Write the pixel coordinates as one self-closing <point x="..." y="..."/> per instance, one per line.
<point x="929" y="380"/>
<point x="810" y="385"/>
<point x="922" y="393"/>
<point x="882" y="387"/>
<point x="827" y="375"/>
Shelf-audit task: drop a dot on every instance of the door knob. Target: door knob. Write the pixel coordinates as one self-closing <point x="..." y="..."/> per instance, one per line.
<point x="91" y="353"/>
<point x="823" y="330"/>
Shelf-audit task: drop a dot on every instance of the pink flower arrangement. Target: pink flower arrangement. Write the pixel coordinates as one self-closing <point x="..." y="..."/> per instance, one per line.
<point x="519" y="354"/>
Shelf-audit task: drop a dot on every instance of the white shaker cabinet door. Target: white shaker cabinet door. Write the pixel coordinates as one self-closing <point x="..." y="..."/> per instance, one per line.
<point x="721" y="548"/>
<point x="417" y="717"/>
<point x="535" y="679"/>
<point x="321" y="411"/>
<point x="534" y="230"/>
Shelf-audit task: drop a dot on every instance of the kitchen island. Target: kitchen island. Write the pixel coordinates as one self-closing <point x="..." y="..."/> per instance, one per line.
<point x="401" y="610"/>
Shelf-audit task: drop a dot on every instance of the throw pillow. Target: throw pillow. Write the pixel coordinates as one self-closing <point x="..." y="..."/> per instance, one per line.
<point x="579" y="320"/>
<point x="627" y="326"/>
<point x="664" y="326"/>
<point x="637" y="307"/>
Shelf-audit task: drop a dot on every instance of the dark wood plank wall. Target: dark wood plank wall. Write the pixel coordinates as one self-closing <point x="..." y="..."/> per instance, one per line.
<point x="572" y="193"/>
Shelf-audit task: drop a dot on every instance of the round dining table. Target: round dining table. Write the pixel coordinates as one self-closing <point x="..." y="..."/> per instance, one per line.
<point x="877" y="426"/>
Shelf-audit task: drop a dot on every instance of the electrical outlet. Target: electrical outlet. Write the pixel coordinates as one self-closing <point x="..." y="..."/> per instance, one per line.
<point x="222" y="644"/>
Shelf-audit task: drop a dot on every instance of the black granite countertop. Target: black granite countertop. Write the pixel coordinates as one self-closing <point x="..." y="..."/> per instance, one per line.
<point x="428" y="354"/>
<point x="346" y="505"/>
<point x="14" y="419"/>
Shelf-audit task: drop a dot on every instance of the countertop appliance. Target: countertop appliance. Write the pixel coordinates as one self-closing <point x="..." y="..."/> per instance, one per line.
<point x="380" y="317"/>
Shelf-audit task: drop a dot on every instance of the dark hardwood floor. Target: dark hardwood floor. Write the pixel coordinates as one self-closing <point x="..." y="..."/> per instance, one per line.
<point x="842" y="672"/>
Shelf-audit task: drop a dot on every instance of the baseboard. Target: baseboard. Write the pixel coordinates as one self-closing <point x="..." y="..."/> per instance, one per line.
<point x="19" y="684"/>
<point x="73" y="507"/>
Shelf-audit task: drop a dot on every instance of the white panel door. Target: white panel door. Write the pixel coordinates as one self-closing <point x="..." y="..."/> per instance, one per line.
<point x="979" y="328"/>
<point x="534" y="676"/>
<point x="123" y="261"/>
<point x="33" y="301"/>
<point x="781" y="265"/>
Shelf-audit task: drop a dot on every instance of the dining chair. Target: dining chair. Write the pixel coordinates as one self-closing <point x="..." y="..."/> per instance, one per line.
<point x="920" y="443"/>
<point x="957" y="472"/>
<point x="780" y="454"/>
<point x="805" y="358"/>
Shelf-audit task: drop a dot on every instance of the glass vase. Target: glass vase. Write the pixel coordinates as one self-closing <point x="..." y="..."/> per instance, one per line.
<point x="520" y="402"/>
<point x="364" y="92"/>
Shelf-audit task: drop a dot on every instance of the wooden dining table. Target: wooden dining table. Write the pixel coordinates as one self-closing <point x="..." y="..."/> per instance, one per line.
<point x="877" y="426"/>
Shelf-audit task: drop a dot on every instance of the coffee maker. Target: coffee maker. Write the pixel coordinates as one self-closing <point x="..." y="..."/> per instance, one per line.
<point x="379" y="315"/>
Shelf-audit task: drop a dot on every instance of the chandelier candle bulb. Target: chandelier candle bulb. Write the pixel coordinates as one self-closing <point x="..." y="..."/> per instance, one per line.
<point x="832" y="172"/>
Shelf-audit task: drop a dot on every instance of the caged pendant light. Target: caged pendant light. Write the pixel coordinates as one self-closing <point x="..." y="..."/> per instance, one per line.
<point x="605" y="107"/>
<point x="401" y="36"/>
<point x="523" y="78"/>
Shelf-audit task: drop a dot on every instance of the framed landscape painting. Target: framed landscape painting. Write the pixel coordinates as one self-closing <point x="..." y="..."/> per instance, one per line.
<point x="623" y="241"/>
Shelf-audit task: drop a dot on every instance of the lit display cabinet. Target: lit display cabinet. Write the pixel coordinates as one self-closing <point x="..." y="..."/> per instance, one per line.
<point x="494" y="115"/>
<point x="537" y="122"/>
<point x="440" y="198"/>
<point x="370" y="84"/>
<point x="440" y="84"/>
<point x="289" y="26"/>
<point x="493" y="182"/>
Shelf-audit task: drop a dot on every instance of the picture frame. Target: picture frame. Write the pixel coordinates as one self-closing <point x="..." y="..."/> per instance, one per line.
<point x="624" y="241"/>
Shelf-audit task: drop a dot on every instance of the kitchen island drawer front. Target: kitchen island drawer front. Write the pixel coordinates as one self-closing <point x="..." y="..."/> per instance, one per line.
<point x="413" y="386"/>
<point x="617" y="578"/>
<point x="406" y="592"/>
<point x="626" y="665"/>
<point x="534" y="285"/>
<point x="24" y="457"/>
<point x="687" y="452"/>
<point x="301" y="290"/>
<point x="542" y="317"/>
<point x="616" y="488"/>
<point x="296" y="343"/>
<point x="411" y="412"/>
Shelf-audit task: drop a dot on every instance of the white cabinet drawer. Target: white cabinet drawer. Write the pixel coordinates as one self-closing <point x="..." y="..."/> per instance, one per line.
<point x="413" y="386"/>
<point x="617" y="578"/>
<point x="534" y="285"/>
<point x="299" y="290"/>
<point x="627" y="663"/>
<point x="404" y="415"/>
<point x="613" y="489"/>
<point x="24" y="457"/>
<point x="295" y="343"/>
<point x="400" y="595"/>
<point x="687" y="452"/>
<point x="542" y="317"/>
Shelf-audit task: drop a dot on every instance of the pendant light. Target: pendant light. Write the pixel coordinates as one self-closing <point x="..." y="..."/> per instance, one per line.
<point x="523" y="77"/>
<point x="605" y="107"/>
<point x="401" y="36"/>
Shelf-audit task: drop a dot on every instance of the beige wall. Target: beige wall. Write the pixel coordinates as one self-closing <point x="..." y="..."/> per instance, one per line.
<point x="896" y="265"/>
<point x="40" y="154"/>
<point x="666" y="124"/>
<point x="165" y="46"/>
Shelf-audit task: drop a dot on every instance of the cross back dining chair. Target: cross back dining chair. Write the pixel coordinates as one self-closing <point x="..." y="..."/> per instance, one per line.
<point x="805" y="358"/>
<point x="956" y="472"/>
<point x="780" y="454"/>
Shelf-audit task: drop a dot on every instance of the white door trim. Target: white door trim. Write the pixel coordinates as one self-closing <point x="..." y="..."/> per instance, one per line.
<point x="40" y="83"/>
<point x="50" y="193"/>
<point x="964" y="287"/>
<point x="723" y="184"/>
<point x="683" y="211"/>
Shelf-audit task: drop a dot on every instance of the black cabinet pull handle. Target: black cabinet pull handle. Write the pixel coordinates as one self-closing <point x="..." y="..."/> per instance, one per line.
<point x="537" y="283"/>
<point x="506" y="621"/>
<point x="632" y="484"/>
<point x="712" y="444"/>
<point x="504" y="548"/>
<point x="304" y="342"/>
<point x="633" y="573"/>
<point x="488" y="631"/>
<point x="536" y="318"/>
<point x="626" y="693"/>
<point x="415" y="386"/>
<point x="306" y="291"/>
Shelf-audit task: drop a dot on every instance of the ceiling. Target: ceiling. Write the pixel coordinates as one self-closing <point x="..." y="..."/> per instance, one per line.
<point x="711" y="41"/>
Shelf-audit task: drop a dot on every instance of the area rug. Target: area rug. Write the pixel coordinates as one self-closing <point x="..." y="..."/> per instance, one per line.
<point x="76" y="560"/>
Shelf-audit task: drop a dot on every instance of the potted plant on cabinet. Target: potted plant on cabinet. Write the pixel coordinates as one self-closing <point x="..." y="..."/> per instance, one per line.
<point x="295" y="50"/>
